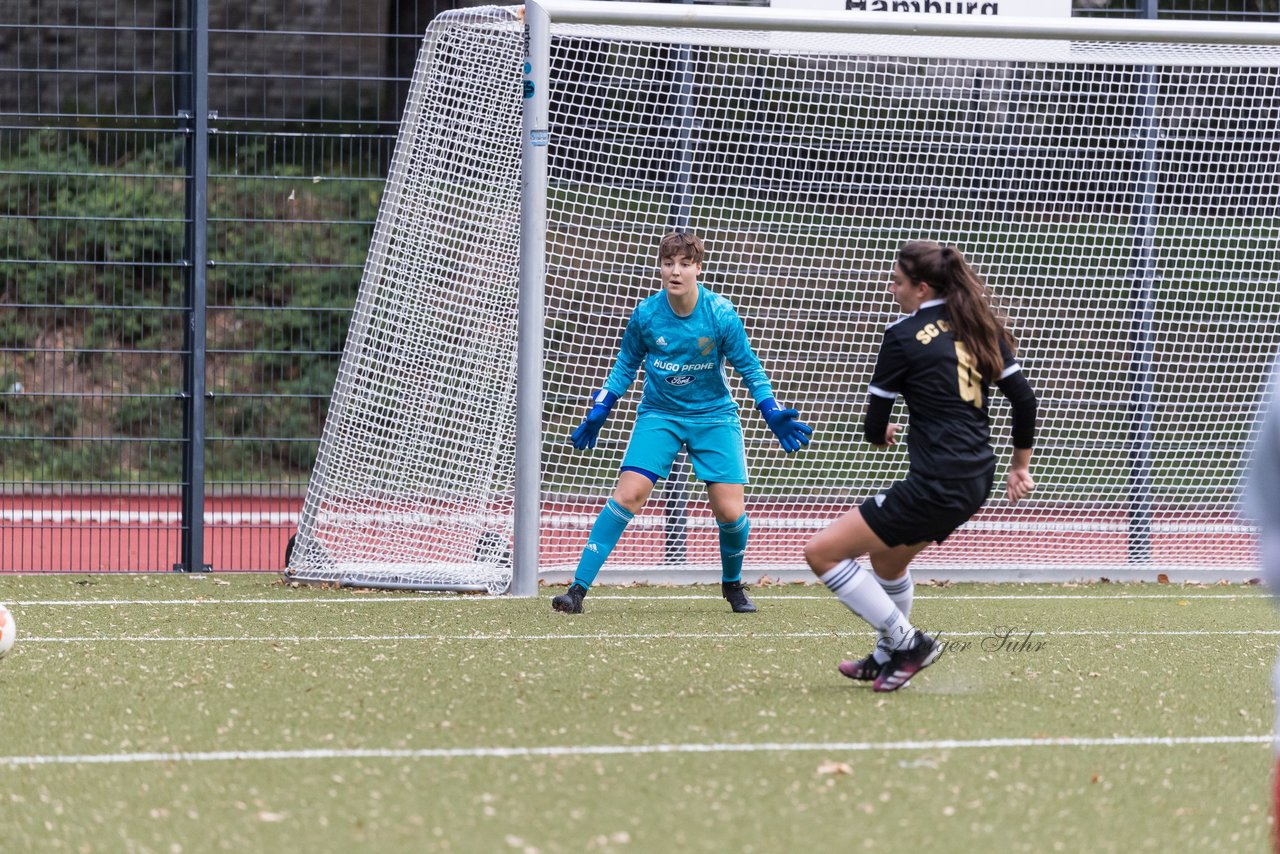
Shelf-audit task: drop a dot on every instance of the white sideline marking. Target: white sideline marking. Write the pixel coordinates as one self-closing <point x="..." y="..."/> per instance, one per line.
<point x="402" y="599"/>
<point x="624" y="750"/>
<point x="372" y="599"/>
<point x="557" y="521"/>
<point x="1017" y="633"/>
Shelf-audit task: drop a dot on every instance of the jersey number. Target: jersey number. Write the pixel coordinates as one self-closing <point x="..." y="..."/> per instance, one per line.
<point x="970" y="379"/>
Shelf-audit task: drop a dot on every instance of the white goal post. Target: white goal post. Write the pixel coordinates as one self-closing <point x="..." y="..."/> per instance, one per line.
<point x="1115" y="181"/>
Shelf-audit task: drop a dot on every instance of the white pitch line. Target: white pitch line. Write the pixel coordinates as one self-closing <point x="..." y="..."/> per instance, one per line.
<point x="1016" y="635"/>
<point x="608" y="597"/>
<point x="353" y="600"/>
<point x="625" y="750"/>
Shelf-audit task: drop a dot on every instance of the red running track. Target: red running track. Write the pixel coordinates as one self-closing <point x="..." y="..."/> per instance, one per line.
<point x="87" y="533"/>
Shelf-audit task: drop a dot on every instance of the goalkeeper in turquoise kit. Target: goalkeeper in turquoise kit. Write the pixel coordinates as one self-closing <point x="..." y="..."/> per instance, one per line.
<point x="683" y="336"/>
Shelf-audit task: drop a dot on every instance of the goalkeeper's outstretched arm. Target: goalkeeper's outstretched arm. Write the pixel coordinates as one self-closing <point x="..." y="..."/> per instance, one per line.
<point x="793" y="434"/>
<point x="589" y="430"/>
<point x="630" y="355"/>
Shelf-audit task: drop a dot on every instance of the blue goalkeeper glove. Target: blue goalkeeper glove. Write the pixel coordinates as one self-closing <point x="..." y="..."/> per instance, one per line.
<point x="585" y="436"/>
<point x="793" y="434"/>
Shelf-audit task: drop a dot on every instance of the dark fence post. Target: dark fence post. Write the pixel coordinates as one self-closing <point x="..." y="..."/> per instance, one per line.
<point x="196" y="262"/>
<point x="676" y="524"/>
<point x="1141" y="398"/>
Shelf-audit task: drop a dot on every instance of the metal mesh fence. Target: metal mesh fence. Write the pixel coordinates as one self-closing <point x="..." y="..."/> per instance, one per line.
<point x="96" y="278"/>
<point x="104" y="223"/>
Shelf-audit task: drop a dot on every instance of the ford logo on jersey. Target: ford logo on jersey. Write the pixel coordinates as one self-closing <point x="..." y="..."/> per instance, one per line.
<point x="680" y="379"/>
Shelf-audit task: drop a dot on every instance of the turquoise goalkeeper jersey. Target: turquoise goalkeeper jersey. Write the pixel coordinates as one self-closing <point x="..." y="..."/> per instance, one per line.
<point x="684" y="358"/>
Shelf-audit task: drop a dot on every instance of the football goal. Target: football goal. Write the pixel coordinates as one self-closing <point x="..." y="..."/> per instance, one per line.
<point x="1115" y="181"/>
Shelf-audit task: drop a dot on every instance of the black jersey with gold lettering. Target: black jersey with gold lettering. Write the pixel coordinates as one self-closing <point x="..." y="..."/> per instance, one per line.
<point x="950" y="431"/>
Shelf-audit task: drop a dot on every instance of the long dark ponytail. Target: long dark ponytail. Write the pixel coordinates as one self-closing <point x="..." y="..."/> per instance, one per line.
<point x="974" y="320"/>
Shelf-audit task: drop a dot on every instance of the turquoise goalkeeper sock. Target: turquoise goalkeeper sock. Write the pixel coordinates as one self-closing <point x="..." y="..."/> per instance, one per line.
<point x="609" y="526"/>
<point x="733" y="545"/>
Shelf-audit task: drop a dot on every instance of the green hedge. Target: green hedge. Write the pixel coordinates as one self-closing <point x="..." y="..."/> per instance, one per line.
<point x="91" y="307"/>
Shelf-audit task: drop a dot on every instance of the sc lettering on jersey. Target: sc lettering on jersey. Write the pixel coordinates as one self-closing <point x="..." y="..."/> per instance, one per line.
<point x="932" y="331"/>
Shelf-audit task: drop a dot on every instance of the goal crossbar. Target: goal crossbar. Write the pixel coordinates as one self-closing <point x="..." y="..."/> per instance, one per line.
<point x="766" y="19"/>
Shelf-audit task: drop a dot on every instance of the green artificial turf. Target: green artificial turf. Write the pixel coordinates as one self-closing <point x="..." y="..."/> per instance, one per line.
<point x="178" y="713"/>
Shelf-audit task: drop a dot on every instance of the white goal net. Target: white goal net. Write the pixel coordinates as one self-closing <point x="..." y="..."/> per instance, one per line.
<point x="1121" y="197"/>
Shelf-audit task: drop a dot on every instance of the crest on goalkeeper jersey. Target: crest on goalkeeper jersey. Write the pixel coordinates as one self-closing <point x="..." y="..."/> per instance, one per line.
<point x="704" y="346"/>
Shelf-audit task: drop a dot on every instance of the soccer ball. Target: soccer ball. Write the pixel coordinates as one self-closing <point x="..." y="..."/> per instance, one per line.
<point x="8" y="631"/>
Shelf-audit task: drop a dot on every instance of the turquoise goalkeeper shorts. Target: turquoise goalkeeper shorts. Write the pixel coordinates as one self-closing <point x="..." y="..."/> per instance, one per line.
<point x="715" y="447"/>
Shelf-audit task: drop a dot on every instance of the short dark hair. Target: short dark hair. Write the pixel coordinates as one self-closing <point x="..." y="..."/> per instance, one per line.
<point x="684" y="243"/>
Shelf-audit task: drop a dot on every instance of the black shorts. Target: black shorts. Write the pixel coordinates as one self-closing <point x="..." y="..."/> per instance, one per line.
<point x="920" y="508"/>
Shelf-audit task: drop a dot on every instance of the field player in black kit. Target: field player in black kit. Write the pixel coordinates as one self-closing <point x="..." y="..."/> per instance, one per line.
<point x="942" y="358"/>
